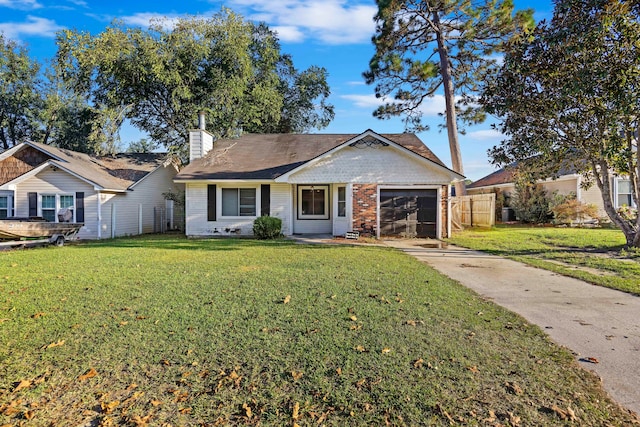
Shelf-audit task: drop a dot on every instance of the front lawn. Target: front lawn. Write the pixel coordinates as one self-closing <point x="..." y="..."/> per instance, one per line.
<point x="169" y="331"/>
<point x="594" y="255"/>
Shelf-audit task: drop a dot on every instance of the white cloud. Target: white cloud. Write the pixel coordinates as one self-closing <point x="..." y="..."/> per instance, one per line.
<point x="430" y="107"/>
<point x="288" y="33"/>
<point x="329" y="21"/>
<point x="485" y="135"/>
<point x="365" y="101"/>
<point x="34" y="26"/>
<point x="145" y="19"/>
<point x="20" y="4"/>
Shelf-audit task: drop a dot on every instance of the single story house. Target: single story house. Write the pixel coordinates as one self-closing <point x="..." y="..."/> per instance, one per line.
<point x="316" y="184"/>
<point x="568" y="182"/>
<point x="113" y="196"/>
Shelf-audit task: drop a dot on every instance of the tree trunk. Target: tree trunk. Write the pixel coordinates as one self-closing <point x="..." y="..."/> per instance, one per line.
<point x="450" y="104"/>
<point x="631" y="234"/>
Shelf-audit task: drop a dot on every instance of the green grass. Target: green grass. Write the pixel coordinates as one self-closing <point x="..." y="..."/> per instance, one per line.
<point x="240" y="332"/>
<point x="594" y="255"/>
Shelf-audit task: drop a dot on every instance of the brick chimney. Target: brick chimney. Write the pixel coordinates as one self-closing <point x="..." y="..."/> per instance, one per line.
<point x="200" y="141"/>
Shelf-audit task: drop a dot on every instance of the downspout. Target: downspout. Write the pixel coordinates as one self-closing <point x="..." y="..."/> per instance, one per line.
<point x="99" y="215"/>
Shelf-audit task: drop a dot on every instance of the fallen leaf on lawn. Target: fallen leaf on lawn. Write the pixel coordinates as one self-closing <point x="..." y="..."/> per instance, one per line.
<point x="418" y="363"/>
<point x="287" y="299"/>
<point x="155" y="402"/>
<point x="565" y="415"/>
<point x="514" y="388"/>
<point x="339" y="371"/>
<point x="360" y="348"/>
<point x="247" y="410"/>
<point x="165" y="362"/>
<point x="22" y="384"/>
<point x="53" y="344"/>
<point x="184" y="410"/>
<point x="141" y="421"/>
<point x="141" y="317"/>
<point x="124" y="322"/>
<point x="492" y="416"/>
<point x="296" y="410"/>
<point x="386" y="350"/>
<point x="89" y="374"/>
<point x="473" y="369"/>
<point x="354" y="318"/>
<point x="28" y="414"/>
<point x="38" y="315"/>
<point x="296" y="375"/>
<point x="513" y="419"/>
<point x="589" y="360"/>
<point x="135" y="396"/>
<point x="132" y="386"/>
<point x="108" y="408"/>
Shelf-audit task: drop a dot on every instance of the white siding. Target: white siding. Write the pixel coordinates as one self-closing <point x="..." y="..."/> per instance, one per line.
<point x="281" y="205"/>
<point x="200" y="143"/>
<point x="57" y="182"/>
<point x="196" y="210"/>
<point x="382" y="165"/>
<point x="196" y="213"/>
<point x="145" y="196"/>
<point x="147" y="193"/>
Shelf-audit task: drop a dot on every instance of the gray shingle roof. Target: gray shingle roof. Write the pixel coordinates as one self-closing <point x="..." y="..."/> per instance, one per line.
<point x="267" y="156"/>
<point x="117" y="172"/>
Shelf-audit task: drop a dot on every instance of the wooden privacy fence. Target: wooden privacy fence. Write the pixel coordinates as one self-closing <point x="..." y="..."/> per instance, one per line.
<point x="477" y="210"/>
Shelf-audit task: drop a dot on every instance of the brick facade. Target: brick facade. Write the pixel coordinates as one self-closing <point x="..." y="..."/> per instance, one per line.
<point x="364" y="207"/>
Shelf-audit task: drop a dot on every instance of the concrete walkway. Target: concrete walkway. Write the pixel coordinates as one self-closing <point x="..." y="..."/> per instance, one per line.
<point x="599" y="324"/>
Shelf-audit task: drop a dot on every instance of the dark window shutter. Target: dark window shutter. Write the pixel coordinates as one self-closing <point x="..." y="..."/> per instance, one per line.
<point x="265" y="200"/>
<point x="211" y="202"/>
<point x="33" y="204"/>
<point x="80" y="206"/>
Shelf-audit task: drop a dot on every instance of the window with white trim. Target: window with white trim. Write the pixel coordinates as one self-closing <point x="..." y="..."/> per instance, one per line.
<point x="50" y="205"/>
<point x="313" y="202"/>
<point x="342" y="201"/>
<point x="238" y="202"/>
<point x="624" y="191"/>
<point x="5" y="207"/>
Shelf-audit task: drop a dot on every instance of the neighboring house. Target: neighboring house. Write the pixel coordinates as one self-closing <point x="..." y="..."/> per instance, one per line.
<point x="112" y="195"/>
<point x="568" y="182"/>
<point x="316" y="184"/>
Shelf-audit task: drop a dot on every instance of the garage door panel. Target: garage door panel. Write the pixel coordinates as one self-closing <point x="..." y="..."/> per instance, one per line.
<point x="408" y="213"/>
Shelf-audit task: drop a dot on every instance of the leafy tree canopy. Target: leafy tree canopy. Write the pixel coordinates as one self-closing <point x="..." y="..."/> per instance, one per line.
<point x="427" y="47"/>
<point x="160" y="78"/>
<point x="569" y="96"/>
<point x="19" y="100"/>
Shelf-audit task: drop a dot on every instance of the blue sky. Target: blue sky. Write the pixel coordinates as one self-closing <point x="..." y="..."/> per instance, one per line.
<point x="334" y="34"/>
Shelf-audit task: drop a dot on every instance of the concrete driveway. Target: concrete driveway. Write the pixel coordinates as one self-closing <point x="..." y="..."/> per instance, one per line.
<point x="600" y="325"/>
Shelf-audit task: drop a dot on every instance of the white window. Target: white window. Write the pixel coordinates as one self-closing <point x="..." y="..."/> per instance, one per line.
<point x="5" y="207"/>
<point x="313" y="202"/>
<point x="342" y="201"/>
<point x="50" y="205"/>
<point x="238" y="202"/>
<point x="624" y="196"/>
